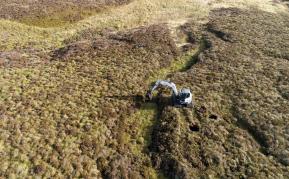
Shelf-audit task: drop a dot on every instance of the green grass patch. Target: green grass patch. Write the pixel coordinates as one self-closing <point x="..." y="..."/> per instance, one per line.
<point x="177" y="65"/>
<point x="146" y="117"/>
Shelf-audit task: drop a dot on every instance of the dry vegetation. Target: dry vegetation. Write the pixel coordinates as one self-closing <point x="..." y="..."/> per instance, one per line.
<point x="240" y="125"/>
<point x="52" y="13"/>
<point x="72" y="86"/>
<point x="60" y="118"/>
<point x="137" y="13"/>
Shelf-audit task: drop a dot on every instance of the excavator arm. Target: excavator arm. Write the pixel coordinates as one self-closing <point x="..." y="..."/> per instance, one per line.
<point x="163" y="83"/>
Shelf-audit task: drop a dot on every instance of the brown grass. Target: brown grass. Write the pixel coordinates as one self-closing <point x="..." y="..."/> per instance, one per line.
<point x="237" y="80"/>
<point x="71" y="95"/>
<point x="64" y="116"/>
<point x="52" y="13"/>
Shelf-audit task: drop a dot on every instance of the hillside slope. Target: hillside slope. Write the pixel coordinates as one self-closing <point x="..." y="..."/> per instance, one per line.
<point x="65" y="118"/>
<point x="72" y="94"/>
<point x="239" y="127"/>
<point x="54" y="12"/>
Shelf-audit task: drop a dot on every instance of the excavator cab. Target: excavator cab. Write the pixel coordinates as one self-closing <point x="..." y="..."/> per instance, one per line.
<point x="184" y="98"/>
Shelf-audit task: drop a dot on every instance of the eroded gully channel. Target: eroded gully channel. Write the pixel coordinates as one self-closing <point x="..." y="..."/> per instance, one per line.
<point x="147" y="117"/>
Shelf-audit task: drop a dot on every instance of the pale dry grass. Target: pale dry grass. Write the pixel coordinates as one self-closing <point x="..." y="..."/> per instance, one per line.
<point x="265" y="5"/>
<point x="136" y="13"/>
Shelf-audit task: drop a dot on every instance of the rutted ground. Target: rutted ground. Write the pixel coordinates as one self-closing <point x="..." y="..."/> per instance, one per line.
<point x="59" y="119"/>
<point x="139" y="126"/>
<point x="240" y="125"/>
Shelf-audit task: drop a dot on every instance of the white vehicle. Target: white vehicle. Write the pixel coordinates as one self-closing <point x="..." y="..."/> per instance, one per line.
<point x="179" y="98"/>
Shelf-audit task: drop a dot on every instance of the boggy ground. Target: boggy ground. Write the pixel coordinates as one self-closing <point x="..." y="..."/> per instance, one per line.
<point x="65" y="118"/>
<point x="82" y="114"/>
<point x="239" y="126"/>
<point x="52" y="13"/>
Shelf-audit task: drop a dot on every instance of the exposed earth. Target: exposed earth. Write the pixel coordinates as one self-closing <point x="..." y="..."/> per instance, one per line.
<point x="72" y="89"/>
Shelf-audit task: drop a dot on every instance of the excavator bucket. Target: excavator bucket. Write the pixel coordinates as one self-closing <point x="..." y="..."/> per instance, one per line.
<point x="149" y="95"/>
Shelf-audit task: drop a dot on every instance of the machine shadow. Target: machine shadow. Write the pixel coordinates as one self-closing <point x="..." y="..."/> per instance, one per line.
<point x="138" y="100"/>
